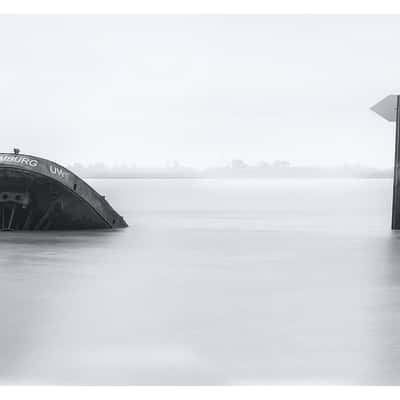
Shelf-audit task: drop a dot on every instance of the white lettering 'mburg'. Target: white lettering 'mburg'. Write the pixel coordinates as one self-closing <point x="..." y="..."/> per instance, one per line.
<point x="19" y="160"/>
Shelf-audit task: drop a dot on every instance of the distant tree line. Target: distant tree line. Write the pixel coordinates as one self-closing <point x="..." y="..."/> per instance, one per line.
<point x="236" y="169"/>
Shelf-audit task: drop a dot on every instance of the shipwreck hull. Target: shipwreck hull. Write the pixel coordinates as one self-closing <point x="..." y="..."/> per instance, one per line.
<point x="38" y="194"/>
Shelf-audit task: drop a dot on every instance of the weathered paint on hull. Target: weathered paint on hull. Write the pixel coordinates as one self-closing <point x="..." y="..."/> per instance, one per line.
<point x="38" y="194"/>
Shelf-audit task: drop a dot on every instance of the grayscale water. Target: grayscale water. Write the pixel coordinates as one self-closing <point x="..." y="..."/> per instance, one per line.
<point x="214" y="282"/>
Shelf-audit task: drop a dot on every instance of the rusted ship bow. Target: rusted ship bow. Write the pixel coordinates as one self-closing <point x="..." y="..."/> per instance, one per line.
<point x="38" y="194"/>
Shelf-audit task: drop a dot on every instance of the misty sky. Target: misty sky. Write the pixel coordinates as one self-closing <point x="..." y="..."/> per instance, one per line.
<point x="200" y="90"/>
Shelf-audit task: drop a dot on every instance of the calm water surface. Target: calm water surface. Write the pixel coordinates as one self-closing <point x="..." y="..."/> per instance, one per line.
<point x="214" y="282"/>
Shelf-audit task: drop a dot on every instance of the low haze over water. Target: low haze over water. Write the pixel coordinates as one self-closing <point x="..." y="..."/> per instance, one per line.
<point x="214" y="282"/>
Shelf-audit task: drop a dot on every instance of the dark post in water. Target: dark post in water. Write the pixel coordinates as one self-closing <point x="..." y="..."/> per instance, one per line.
<point x="389" y="108"/>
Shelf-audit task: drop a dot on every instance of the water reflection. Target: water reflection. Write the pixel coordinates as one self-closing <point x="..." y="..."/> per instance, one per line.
<point x="32" y="275"/>
<point x="385" y="313"/>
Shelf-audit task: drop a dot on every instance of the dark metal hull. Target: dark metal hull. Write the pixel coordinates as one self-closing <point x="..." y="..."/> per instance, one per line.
<point x="38" y="194"/>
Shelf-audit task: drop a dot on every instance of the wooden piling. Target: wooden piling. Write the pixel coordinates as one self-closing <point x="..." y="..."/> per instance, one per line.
<point x="389" y="109"/>
<point x="396" y="175"/>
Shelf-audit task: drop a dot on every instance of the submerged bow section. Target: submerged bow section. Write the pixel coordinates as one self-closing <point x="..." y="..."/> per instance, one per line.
<point x="38" y="194"/>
